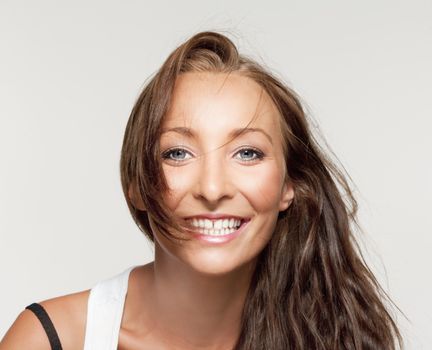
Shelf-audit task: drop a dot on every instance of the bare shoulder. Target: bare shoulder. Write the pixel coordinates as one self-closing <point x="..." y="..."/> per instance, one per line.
<point x="68" y="313"/>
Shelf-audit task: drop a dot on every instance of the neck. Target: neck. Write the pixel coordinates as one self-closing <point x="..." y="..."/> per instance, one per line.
<point x="197" y="310"/>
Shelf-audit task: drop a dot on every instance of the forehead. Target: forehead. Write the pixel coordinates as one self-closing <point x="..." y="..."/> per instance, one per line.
<point x="220" y="100"/>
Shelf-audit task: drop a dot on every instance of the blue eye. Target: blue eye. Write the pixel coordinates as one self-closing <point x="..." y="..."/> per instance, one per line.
<point x="250" y="154"/>
<point x="175" y="154"/>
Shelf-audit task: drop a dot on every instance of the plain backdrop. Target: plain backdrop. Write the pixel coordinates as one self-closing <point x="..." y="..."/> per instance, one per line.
<point x="70" y="72"/>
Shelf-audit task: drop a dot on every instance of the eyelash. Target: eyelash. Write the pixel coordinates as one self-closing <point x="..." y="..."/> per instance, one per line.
<point x="259" y="154"/>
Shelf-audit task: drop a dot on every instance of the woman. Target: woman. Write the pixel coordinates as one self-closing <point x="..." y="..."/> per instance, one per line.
<point x="250" y="221"/>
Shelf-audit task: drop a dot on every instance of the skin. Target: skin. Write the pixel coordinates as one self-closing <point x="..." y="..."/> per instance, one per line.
<point x="192" y="295"/>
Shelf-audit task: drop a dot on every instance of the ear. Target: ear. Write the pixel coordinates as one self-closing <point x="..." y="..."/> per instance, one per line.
<point x="287" y="195"/>
<point x="135" y="197"/>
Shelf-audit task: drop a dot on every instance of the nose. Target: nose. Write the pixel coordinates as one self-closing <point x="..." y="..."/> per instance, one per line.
<point x="214" y="182"/>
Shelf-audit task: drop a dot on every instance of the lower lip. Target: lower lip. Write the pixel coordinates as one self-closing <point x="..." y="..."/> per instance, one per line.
<point x="213" y="239"/>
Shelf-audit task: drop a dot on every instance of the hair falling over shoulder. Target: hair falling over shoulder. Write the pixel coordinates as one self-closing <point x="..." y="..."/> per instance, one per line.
<point x="311" y="288"/>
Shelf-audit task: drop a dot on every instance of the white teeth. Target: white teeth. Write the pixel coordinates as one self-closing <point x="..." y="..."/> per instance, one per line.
<point x="220" y="225"/>
<point x="208" y="224"/>
<point x="213" y="232"/>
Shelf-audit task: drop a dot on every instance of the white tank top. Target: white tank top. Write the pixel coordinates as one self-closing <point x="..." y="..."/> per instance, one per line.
<point x="104" y="312"/>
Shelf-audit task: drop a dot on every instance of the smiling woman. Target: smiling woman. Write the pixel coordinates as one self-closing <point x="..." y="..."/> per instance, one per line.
<point x="251" y="223"/>
<point x="216" y="136"/>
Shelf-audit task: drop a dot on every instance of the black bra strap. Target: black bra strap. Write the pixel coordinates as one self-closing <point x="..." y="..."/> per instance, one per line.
<point x="43" y="317"/>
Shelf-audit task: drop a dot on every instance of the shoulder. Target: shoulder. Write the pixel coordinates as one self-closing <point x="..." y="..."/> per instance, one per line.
<point x="68" y="313"/>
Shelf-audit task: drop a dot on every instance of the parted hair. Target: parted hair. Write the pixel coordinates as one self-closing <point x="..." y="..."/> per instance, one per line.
<point x="311" y="287"/>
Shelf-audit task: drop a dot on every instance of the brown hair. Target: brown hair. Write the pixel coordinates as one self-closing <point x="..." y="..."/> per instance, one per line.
<point x="311" y="288"/>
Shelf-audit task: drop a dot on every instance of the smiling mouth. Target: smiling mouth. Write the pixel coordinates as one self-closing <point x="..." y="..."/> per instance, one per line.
<point x="218" y="227"/>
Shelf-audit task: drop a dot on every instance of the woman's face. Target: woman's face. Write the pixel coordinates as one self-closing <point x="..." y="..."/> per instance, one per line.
<point x="218" y="183"/>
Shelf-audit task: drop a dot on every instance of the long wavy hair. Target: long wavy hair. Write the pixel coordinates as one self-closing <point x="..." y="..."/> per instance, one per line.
<point x="311" y="288"/>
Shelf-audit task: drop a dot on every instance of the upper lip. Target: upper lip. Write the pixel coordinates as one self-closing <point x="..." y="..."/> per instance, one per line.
<point x="214" y="216"/>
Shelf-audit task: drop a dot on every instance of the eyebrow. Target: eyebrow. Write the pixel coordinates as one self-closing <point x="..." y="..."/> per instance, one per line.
<point x="188" y="132"/>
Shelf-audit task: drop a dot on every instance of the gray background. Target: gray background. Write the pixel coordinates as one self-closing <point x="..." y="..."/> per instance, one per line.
<point x="71" y="71"/>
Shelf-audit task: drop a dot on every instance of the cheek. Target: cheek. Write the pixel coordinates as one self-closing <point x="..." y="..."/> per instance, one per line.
<point x="262" y="187"/>
<point x="179" y="180"/>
